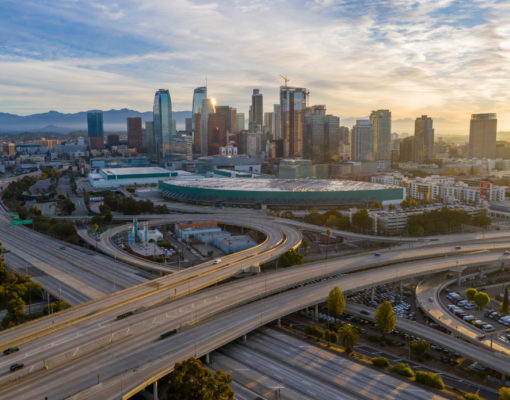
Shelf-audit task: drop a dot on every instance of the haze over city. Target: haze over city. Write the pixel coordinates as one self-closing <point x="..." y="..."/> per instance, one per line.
<point x="447" y="59"/>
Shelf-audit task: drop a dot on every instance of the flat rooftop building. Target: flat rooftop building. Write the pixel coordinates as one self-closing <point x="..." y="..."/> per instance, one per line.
<point x="115" y="177"/>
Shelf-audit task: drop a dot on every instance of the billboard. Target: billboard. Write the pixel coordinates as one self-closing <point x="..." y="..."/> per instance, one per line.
<point x="485" y="188"/>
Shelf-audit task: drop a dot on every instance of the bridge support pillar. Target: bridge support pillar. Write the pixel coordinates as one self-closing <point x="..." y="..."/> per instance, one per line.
<point x="316" y="313"/>
<point x="155" y="390"/>
<point x="459" y="276"/>
<point x="207" y="358"/>
<point x="279" y="322"/>
<point x="372" y="295"/>
<point x="401" y="288"/>
<point x="480" y="270"/>
<point x="244" y="338"/>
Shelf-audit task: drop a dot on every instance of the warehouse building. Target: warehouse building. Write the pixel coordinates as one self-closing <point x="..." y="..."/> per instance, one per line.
<point x="115" y="177"/>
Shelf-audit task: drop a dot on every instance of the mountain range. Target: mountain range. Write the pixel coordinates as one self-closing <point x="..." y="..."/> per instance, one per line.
<point x="56" y="122"/>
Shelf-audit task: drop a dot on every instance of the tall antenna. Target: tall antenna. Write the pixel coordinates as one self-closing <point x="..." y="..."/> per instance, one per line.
<point x="285" y="79"/>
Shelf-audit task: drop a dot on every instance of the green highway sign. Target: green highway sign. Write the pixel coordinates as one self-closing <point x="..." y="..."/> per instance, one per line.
<point x="21" y="222"/>
<point x="16" y="217"/>
<point x="12" y="214"/>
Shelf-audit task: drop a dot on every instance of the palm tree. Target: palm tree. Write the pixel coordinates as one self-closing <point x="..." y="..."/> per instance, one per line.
<point x="349" y="336"/>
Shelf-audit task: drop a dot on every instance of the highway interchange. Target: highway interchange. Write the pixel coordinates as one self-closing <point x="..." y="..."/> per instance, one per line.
<point x="65" y="352"/>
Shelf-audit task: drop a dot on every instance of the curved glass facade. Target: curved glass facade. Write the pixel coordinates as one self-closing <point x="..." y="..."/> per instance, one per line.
<point x="199" y="94"/>
<point x="163" y="126"/>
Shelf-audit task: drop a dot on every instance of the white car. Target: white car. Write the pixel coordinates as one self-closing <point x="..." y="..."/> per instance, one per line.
<point x="217" y="261"/>
<point x="469" y="318"/>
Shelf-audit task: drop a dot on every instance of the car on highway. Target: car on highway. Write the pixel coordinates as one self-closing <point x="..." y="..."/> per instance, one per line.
<point x="217" y="261"/>
<point x="377" y="254"/>
<point x="11" y="350"/>
<point x="458" y="247"/>
<point x="15" y="367"/>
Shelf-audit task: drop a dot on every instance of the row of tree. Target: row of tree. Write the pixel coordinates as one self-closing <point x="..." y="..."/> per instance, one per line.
<point x="361" y="221"/>
<point x="444" y="220"/>
<point x="130" y="206"/>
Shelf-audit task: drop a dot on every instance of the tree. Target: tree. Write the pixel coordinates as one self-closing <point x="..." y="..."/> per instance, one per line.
<point x="191" y="381"/>
<point x="385" y="319"/>
<point x="362" y="221"/>
<point x="304" y="244"/>
<point x="331" y="336"/>
<point x="481" y="299"/>
<point x="15" y="309"/>
<point x="349" y="336"/>
<point x="504" y="393"/>
<point x="504" y="305"/>
<point x="471" y="293"/>
<point x="290" y="257"/>
<point x="336" y="302"/>
<point x="420" y="347"/>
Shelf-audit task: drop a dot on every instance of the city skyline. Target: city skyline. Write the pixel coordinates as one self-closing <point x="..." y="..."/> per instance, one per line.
<point x="446" y="59"/>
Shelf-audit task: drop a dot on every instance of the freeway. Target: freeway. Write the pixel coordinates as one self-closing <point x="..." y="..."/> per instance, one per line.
<point x="138" y="357"/>
<point x="314" y="372"/>
<point x="89" y="275"/>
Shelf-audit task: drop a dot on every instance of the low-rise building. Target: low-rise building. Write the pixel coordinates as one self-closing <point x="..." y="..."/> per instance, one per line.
<point x="115" y="177"/>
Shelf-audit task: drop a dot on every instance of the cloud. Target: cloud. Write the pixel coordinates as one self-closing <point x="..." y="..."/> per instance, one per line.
<point x="444" y="58"/>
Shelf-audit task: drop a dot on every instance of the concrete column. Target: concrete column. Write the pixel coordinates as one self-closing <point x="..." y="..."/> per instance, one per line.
<point x="244" y="338"/>
<point x="279" y="322"/>
<point x="401" y="288"/>
<point x="458" y="277"/>
<point x="155" y="390"/>
<point x="480" y="270"/>
<point x="372" y="295"/>
<point x="207" y="359"/>
<point x="316" y="312"/>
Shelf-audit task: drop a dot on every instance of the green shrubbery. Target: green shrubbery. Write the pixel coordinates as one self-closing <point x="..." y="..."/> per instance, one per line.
<point x="380" y="362"/>
<point x="473" y="396"/>
<point x="403" y="369"/>
<point x="314" y="331"/>
<point x="331" y="336"/>
<point x="430" y="379"/>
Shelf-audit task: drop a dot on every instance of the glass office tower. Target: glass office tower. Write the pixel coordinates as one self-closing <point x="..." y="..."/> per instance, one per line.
<point x="95" y="129"/>
<point x="163" y="124"/>
<point x="199" y="94"/>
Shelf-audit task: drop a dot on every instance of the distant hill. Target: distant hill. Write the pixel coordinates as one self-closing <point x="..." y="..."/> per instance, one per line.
<point x="56" y="122"/>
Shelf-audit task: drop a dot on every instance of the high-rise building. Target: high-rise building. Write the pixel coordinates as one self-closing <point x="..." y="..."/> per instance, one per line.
<point x="230" y="114"/>
<point x="381" y="121"/>
<point x="482" y="136"/>
<point x="412" y="148"/>
<point x="149" y="144"/>
<point x="216" y="133"/>
<point x="268" y="122"/>
<point x="199" y="94"/>
<point x="257" y="107"/>
<point x="188" y="124"/>
<point x="277" y="124"/>
<point x="181" y="148"/>
<point x="134" y="133"/>
<point x="207" y="108"/>
<point x="240" y="123"/>
<point x="314" y="138"/>
<point x="344" y="134"/>
<point x="95" y="129"/>
<point x="362" y="141"/>
<point x="293" y="102"/>
<point x="332" y="132"/>
<point x="163" y="123"/>
<point x="423" y="128"/>
<point x="112" y="140"/>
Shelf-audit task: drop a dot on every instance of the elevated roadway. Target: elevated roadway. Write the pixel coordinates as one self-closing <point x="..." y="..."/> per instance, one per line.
<point x="152" y="358"/>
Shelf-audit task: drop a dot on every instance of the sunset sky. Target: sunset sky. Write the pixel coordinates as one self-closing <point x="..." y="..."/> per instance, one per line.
<point x="443" y="58"/>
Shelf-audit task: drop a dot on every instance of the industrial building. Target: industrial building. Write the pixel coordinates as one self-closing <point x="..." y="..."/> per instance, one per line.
<point x="280" y="192"/>
<point x="115" y="177"/>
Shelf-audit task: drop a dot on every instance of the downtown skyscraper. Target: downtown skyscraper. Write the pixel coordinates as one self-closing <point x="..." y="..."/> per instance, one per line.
<point x="423" y="128"/>
<point x="95" y="130"/>
<point x="381" y="121"/>
<point x="293" y="103"/>
<point x="199" y="94"/>
<point x="482" y="135"/>
<point x="257" y="108"/>
<point x="163" y="123"/>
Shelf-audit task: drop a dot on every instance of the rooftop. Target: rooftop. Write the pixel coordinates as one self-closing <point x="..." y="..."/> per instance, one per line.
<point x="279" y="185"/>
<point x="135" y="171"/>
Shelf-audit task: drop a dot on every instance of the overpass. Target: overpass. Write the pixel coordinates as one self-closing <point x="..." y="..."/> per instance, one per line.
<point x="129" y="355"/>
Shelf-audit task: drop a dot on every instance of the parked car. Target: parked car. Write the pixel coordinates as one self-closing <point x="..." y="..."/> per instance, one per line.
<point x="468" y="318"/>
<point x="469" y="306"/>
<point x="462" y="303"/>
<point x="488" y="328"/>
<point x="478" y="323"/>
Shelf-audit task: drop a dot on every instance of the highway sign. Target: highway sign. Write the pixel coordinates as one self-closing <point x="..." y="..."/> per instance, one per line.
<point x="16" y="217"/>
<point x="21" y="222"/>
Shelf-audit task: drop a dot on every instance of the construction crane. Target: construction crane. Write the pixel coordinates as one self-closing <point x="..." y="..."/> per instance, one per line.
<point x="285" y="79"/>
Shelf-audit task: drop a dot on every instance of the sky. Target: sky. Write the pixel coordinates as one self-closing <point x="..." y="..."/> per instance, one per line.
<point x="444" y="58"/>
